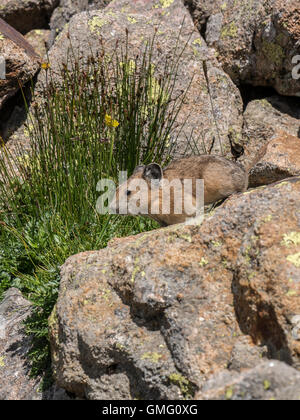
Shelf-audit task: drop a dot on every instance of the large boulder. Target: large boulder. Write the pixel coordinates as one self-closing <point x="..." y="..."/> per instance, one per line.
<point x="213" y="104"/>
<point x="279" y="159"/>
<point x="271" y="380"/>
<point x="256" y="40"/>
<point x="265" y="119"/>
<point x="21" y="61"/>
<point x="174" y="306"/>
<point x="27" y="15"/>
<point x="68" y="8"/>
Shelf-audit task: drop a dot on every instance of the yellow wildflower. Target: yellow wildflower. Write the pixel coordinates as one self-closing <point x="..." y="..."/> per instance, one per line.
<point x="110" y="122"/>
<point x="45" y="66"/>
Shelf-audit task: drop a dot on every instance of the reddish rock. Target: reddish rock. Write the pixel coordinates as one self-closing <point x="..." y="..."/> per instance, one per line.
<point x="279" y="159"/>
<point x="198" y="290"/>
<point x="22" y="62"/>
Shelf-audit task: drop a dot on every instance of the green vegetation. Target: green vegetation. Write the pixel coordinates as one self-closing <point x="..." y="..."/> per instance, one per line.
<point x="105" y="115"/>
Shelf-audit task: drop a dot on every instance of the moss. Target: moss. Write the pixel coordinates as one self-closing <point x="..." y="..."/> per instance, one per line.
<point x="291" y="239"/>
<point x="229" y="31"/>
<point x="183" y="383"/>
<point x="294" y="259"/>
<point x="273" y="52"/>
<point x="152" y="356"/>
<point x="216" y="244"/>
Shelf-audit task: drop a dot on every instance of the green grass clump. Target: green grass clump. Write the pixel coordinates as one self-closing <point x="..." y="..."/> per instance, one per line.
<point x="98" y="117"/>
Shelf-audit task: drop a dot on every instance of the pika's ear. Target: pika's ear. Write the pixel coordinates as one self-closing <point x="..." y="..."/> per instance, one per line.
<point x="138" y="169"/>
<point x="153" y="172"/>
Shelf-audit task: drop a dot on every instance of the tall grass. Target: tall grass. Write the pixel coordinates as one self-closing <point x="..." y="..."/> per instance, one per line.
<point x="95" y="118"/>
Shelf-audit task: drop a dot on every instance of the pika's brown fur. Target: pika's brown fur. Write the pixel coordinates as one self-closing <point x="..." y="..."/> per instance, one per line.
<point x="221" y="176"/>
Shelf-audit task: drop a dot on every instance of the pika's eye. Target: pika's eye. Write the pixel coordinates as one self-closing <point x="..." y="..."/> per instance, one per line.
<point x="128" y="193"/>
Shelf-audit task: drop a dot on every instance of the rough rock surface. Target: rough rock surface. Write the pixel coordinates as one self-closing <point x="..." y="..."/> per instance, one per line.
<point x="256" y="40"/>
<point x="16" y="384"/>
<point x="213" y="104"/>
<point x="14" y="345"/>
<point x="22" y="62"/>
<point x="266" y="118"/>
<point x="179" y="301"/>
<point x="27" y="15"/>
<point x="68" y="8"/>
<point x="38" y="38"/>
<point x="271" y="380"/>
<point x="279" y="159"/>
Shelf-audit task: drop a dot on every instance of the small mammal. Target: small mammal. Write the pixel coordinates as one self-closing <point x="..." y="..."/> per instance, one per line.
<point x="221" y="176"/>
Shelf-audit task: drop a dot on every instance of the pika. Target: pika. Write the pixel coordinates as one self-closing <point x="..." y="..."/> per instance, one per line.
<point x="221" y="177"/>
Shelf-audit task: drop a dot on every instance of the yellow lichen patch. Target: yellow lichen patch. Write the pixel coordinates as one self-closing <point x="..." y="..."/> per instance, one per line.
<point x="203" y="262"/>
<point x="166" y="3"/>
<point x="291" y="239"/>
<point x="267" y="218"/>
<point x="154" y="357"/>
<point x="96" y="23"/>
<point x="224" y="6"/>
<point x="2" y="363"/>
<point x="131" y="19"/>
<point x="294" y="259"/>
<point x="273" y="52"/>
<point x="229" y="31"/>
<point x="197" y="41"/>
<point x="182" y="382"/>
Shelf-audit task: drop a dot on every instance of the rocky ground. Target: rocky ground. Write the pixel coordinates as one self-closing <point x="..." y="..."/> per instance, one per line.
<point x="205" y="312"/>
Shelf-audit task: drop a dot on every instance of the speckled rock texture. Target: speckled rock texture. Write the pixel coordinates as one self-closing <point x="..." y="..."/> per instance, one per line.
<point x="279" y="159"/>
<point x="265" y="119"/>
<point x="25" y="15"/>
<point x="213" y="104"/>
<point x="38" y="39"/>
<point x="15" y="379"/>
<point x="68" y="8"/>
<point x="271" y="380"/>
<point x="256" y="40"/>
<point x="22" y="62"/>
<point x="156" y="315"/>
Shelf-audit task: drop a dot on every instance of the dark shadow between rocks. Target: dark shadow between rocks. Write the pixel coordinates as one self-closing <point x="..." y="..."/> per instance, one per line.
<point x="14" y="112"/>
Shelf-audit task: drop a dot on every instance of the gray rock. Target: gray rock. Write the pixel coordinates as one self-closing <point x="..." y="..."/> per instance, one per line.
<point x="16" y="383"/>
<point x="257" y="41"/>
<point x="68" y="8"/>
<point x="270" y="380"/>
<point x="265" y="119"/>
